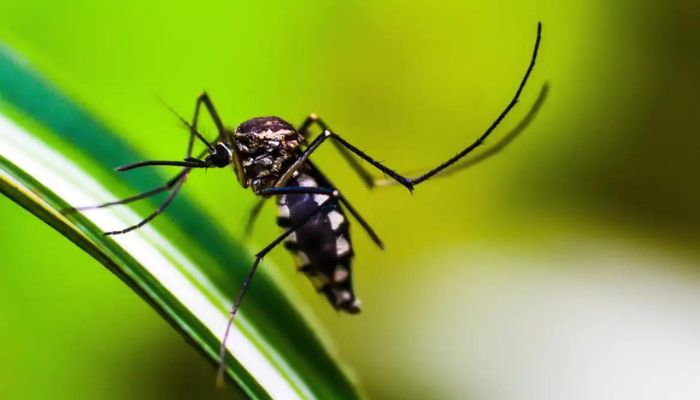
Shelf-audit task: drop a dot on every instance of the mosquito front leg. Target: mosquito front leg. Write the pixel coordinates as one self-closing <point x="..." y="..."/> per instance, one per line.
<point x="204" y="99"/>
<point x="169" y="185"/>
<point x="175" y="189"/>
<point x="173" y="185"/>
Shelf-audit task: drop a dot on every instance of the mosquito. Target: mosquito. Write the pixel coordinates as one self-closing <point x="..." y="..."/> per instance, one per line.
<point x="271" y="156"/>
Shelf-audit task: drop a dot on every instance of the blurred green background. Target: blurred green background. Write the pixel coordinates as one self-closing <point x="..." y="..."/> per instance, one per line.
<point x="565" y="267"/>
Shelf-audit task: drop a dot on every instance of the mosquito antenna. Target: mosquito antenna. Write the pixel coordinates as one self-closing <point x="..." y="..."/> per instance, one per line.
<point x="191" y="128"/>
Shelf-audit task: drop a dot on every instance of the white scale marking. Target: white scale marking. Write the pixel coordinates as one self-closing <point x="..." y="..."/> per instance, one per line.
<point x="341" y="296"/>
<point x="340" y="274"/>
<point x="336" y="219"/>
<point x="283" y="211"/>
<point x="306" y="181"/>
<point x="270" y="134"/>
<point x="341" y="246"/>
<point x="320" y="198"/>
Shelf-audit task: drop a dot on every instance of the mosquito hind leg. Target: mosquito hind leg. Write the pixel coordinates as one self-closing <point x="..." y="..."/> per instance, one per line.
<point x="361" y="171"/>
<point x="258" y="257"/>
<point x="405" y="181"/>
<point x="303" y="158"/>
<point x="492" y="151"/>
<point x="365" y="225"/>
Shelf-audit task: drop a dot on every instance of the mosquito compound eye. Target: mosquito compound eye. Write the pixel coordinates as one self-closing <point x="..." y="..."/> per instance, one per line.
<point x="222" y="155"/>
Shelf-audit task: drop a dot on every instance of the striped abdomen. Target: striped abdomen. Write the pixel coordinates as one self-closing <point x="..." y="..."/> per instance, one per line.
<point x="322" y="246"/>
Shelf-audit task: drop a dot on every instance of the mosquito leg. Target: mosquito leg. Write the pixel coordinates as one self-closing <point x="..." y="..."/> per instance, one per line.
<point x="175" y="189"/>
<point x="318" y="141"/>
<point x="495" y="123"/>
<point x="189" y="163"/>
<point x="298" y="190"/>
<point x="493" y="150"/>
<point x="289" y="190"/>
<point x="364" y="175"/>
<point x="168" y="185"/>
<point x="330" y="192"/>
<point x="252" y="217"/>
<point x="128" y="200"/>
<point x="258" y="257"/>
<point x="175" y="183"/>
<point x="189" y="160"/>
<point x="204" y="99"/>
<point x="406" y="182"/>
<point x="372" y="234"/>
<point x="325" y="182"/>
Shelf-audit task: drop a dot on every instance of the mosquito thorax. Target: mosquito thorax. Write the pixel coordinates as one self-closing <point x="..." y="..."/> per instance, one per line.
<point x="266" y="147"/>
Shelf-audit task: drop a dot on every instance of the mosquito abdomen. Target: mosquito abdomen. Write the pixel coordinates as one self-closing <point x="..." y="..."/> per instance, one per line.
<point x="322" y="247"/>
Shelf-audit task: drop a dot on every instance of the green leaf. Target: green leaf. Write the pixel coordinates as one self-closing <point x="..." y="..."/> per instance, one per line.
<point x="54" y="155"/>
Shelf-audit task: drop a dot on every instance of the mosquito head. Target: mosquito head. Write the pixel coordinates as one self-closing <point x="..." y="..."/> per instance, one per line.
<point x="221" y="156"/>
